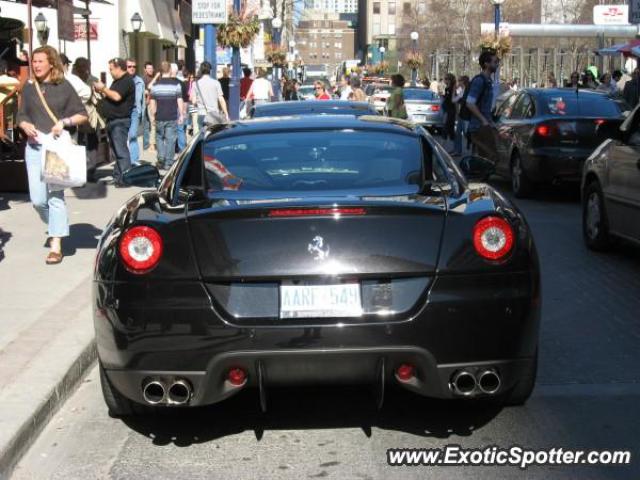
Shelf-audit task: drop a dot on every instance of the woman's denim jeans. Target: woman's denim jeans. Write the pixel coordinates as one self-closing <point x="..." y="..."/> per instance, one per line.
<point x="50" y="205"/>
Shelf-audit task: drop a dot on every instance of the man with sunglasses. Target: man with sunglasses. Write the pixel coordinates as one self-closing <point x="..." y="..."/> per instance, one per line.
<point x="136" y="113"/>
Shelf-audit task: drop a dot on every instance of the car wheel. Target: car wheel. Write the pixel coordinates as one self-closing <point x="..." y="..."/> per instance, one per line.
<point x="118" y="404"/>
<point x="520" y="183"/>
<point x="523" y="389"/>
<point x="595" y="226"/>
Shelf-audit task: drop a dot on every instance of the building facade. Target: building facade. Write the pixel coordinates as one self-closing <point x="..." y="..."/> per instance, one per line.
<point x="332" y="6"/>
<point x="326" y="40"/>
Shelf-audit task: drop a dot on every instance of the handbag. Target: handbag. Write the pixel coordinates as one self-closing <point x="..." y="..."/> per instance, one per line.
<point x="214" y="115"/>
<point x="64" y="164"/>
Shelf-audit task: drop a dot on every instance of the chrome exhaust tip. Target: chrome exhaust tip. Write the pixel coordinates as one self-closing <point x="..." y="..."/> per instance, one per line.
<point x="463" y="382"/>
<point x="153" y="392"/>
<point x="179" y="392"/>
<point x="489" y="382"/>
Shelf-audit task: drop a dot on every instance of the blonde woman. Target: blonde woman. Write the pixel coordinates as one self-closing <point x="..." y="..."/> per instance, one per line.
<point x="58" y="96"/>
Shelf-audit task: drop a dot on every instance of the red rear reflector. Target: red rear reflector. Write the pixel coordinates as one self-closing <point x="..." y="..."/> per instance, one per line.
<point x="405" y="372"/>
<point x="543" y="130"/>
<point x="315" y="212"/>
<point x="435" y="108"/>
<point x="493" y="238"/>
<point x="600" y="121"/>
<point x="237" y="376"/>
<point x="140" y="249"/>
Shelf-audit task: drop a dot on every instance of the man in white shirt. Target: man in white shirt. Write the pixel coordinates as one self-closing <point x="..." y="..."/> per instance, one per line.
<point x="208" y="97"/>
<point x="82" y="89"/>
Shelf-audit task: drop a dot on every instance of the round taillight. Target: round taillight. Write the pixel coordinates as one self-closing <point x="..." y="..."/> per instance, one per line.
<point x="493" y="238"/>
<point x="140" y="249"/>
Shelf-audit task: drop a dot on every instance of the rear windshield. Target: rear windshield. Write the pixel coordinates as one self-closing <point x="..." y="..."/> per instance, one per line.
<point x="570" y="104"/>
<point x="418" y="94"/>
<point x="356" y="110"/>
<point x="316" y="160"/>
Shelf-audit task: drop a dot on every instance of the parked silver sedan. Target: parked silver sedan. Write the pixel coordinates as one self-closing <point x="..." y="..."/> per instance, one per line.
<point x="611" y="185"/>
<point x="424" y="107"/>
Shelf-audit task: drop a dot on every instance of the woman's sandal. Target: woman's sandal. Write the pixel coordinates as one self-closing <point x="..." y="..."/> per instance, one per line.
<point x="54" y="258"/>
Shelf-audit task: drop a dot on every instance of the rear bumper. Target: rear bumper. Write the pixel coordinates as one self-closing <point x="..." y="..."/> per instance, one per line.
<point x="268" y="368"/>
<point x="553" y="167"/>
<point x="474" y="322"/>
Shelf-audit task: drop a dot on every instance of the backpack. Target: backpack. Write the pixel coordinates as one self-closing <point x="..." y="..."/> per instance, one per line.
<point x="465" y="113"/>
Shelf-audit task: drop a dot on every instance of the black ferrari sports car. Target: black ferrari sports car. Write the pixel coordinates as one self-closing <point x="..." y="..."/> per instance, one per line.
<point x="315" y="250"/>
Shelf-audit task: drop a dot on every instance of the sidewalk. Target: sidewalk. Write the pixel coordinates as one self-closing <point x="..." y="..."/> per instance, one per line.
<point x="46" y="327"/>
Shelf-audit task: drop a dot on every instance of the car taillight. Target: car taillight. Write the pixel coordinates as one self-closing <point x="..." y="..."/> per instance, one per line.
<point x="543" y="130"/>
<point x="435" y="108"/>
<point x="316" y="212"/>
<point x="140" y="249"/>
<point x="493" y="238"/>
<point x="600" y="121"/>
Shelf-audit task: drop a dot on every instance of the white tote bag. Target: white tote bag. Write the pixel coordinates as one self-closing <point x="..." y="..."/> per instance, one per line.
<point x="64" y="164"/>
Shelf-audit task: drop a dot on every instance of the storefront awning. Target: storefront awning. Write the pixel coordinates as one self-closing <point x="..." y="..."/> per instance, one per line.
<point x="146" y="10"/>
<point x="168" y="23"/>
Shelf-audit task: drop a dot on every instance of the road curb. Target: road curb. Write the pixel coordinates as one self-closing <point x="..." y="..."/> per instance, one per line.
<point x="20" y="440"/>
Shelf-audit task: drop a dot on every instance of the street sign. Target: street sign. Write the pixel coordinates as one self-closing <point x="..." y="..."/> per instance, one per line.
<point x="611" y="14"/>
<point x="634" y="12"/>
<point x="80" y="30"/>
<point x="209" y="11"/>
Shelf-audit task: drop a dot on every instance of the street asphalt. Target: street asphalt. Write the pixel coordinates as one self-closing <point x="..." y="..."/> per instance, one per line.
<point x="587" y="397"/>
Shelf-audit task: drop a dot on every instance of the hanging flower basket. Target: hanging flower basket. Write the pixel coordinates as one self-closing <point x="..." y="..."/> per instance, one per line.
<point x="276" y="56"/>
<point x="240" y="30"/>
<point x="414" y="60"/>
<point x="501" y="46"/>
<point x="379" y="68"/>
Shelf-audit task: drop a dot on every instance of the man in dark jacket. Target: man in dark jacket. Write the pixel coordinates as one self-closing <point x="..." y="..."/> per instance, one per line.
<point x="116" y="107"/>
<point x="631" y="91"/>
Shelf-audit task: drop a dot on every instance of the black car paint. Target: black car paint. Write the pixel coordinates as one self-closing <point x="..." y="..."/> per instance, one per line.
<point x="473" y="312"/>
<point x="560" y="159"/>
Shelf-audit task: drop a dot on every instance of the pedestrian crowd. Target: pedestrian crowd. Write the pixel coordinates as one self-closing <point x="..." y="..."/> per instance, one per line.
<point x="167" y="102"/>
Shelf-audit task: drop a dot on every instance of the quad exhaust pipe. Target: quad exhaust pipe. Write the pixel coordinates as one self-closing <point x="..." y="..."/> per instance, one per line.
<point x="463" y="382"/>
<point x="178" y="392"/>
<point x="153" y="392"/>
<point x="466" y="383"/>
<point x="489" y="381"/>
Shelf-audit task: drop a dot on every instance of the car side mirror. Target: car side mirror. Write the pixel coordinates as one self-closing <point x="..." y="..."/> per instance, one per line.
<point x="477" y="168"/>
<point x="142" y="176"/>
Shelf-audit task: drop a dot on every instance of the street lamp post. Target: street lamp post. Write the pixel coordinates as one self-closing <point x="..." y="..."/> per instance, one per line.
<point x="136" y="26"/>
<point x="414" y="71"/>
<point x="41" y="27"/>
<point x="276" y="24"/>
<point x="292" y="45"/>
<point x="382" y="50"/>
<point x="496" y="80"/>
<point x="234" y="84"/>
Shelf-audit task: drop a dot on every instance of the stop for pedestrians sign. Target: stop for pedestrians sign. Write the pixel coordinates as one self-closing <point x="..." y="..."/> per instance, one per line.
<point x="209" y="11"/>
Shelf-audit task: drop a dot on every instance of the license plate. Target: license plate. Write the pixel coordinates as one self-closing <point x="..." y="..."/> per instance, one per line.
<point x="306" y="301"/>
<point x="419" y="118"/>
